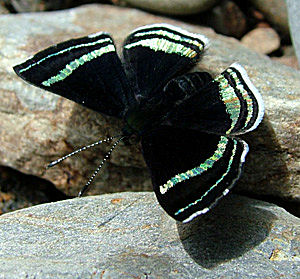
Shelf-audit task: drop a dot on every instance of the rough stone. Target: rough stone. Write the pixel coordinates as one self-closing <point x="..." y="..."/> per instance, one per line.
<point x="128" y="235"/>
<point x="275" y="11"/>
<point x="170" y="7"/>
<point x="37" y="127"/>
<point x="294" y="15"/>
<point x="263" y="40"/>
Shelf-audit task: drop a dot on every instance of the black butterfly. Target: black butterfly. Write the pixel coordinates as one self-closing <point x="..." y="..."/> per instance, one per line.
<point x="186" y="123"/>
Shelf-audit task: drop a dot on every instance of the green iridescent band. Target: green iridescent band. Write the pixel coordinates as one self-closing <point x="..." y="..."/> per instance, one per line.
<point x="171" y="36"/>
<point x="75" y="64"/>
<point x="66" y="50"/>
<point x="197" y="170"/>
<point x="215" y="185"/>
<point x="245" y="95"/>
<point x="165" y="46"/>
<point x="230" y="99"/>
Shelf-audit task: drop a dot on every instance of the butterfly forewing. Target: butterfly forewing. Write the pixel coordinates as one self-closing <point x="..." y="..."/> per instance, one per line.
<point x="86" y="70"/>
<point x="155" y="53"/>
<point x="227" y="105"/>
<point x="191" y="170"/>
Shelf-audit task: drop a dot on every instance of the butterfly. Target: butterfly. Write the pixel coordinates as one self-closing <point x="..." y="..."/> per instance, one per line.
<point x="187" y="122"/>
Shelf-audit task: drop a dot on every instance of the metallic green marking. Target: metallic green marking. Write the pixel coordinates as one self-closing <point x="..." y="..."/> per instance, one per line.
<point x="215" y="185"/>
<point x="197" y="170"/>
<point x="230" y="100"/>
<point x="75" y="64"/>
<point x="65" y="50"/>
<point x="245" y="95"/>
<point x="171" y="36"/>
<point x="165" y="46"/>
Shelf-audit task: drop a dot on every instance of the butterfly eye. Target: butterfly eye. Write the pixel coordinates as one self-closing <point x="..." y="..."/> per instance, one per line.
<point x="134" y="139"/>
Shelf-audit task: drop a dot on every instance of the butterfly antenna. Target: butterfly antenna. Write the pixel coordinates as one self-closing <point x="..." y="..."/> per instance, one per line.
<point x="107" y="156"/>
<point x="79" y="150"/>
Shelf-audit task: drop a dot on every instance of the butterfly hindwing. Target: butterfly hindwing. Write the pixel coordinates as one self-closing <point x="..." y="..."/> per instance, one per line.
<point x="229" y="104"/>
<point x="86" y="70"/>
<point x="179" y="89"/>
<point x="191" y="170"/>
<point x="153" y="54"/>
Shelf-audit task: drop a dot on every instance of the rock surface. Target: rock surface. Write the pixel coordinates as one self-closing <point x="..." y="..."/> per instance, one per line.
<point x="128" y="235"/>
<point x="263" y="40"/>
<point x="294" y="15"/>
<point x="275" y="12"/>
<point x="171" y="7"/>
<point x="37" y="127"/>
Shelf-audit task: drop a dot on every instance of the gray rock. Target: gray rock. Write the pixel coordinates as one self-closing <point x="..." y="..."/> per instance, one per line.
<point x="263" y="40"/>
<point x="128" y="235"/>
<point x="170" y="7"/>
<point x="37" y="127"/>
<point x="275" y="12"/>
<point x="294" y="15"/>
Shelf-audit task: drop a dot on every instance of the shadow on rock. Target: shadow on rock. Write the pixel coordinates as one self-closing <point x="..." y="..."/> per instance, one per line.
<point x="235" y="226"/>
<point x="266" y="175"/>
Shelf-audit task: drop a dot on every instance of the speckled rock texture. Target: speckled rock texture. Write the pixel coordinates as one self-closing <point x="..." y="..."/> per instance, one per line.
<point x="128" y="235"/>
<point x="170" y="7"/>
<point x="37" y="127"/>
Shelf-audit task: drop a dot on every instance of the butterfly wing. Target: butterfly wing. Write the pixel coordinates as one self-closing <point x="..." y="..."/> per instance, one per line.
<point x="191" y="170"/>
<point x="155" y="53"/>
<point x="229" y="104"/>
<point x="86" y="70"/>
<point x="181" y="88"/>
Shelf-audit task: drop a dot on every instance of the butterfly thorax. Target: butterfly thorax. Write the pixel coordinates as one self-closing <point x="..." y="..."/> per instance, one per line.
<point x="141" y="119"/>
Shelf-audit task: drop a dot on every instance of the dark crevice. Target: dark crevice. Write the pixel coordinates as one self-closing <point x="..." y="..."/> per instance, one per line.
<point x="19" y="190"/>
